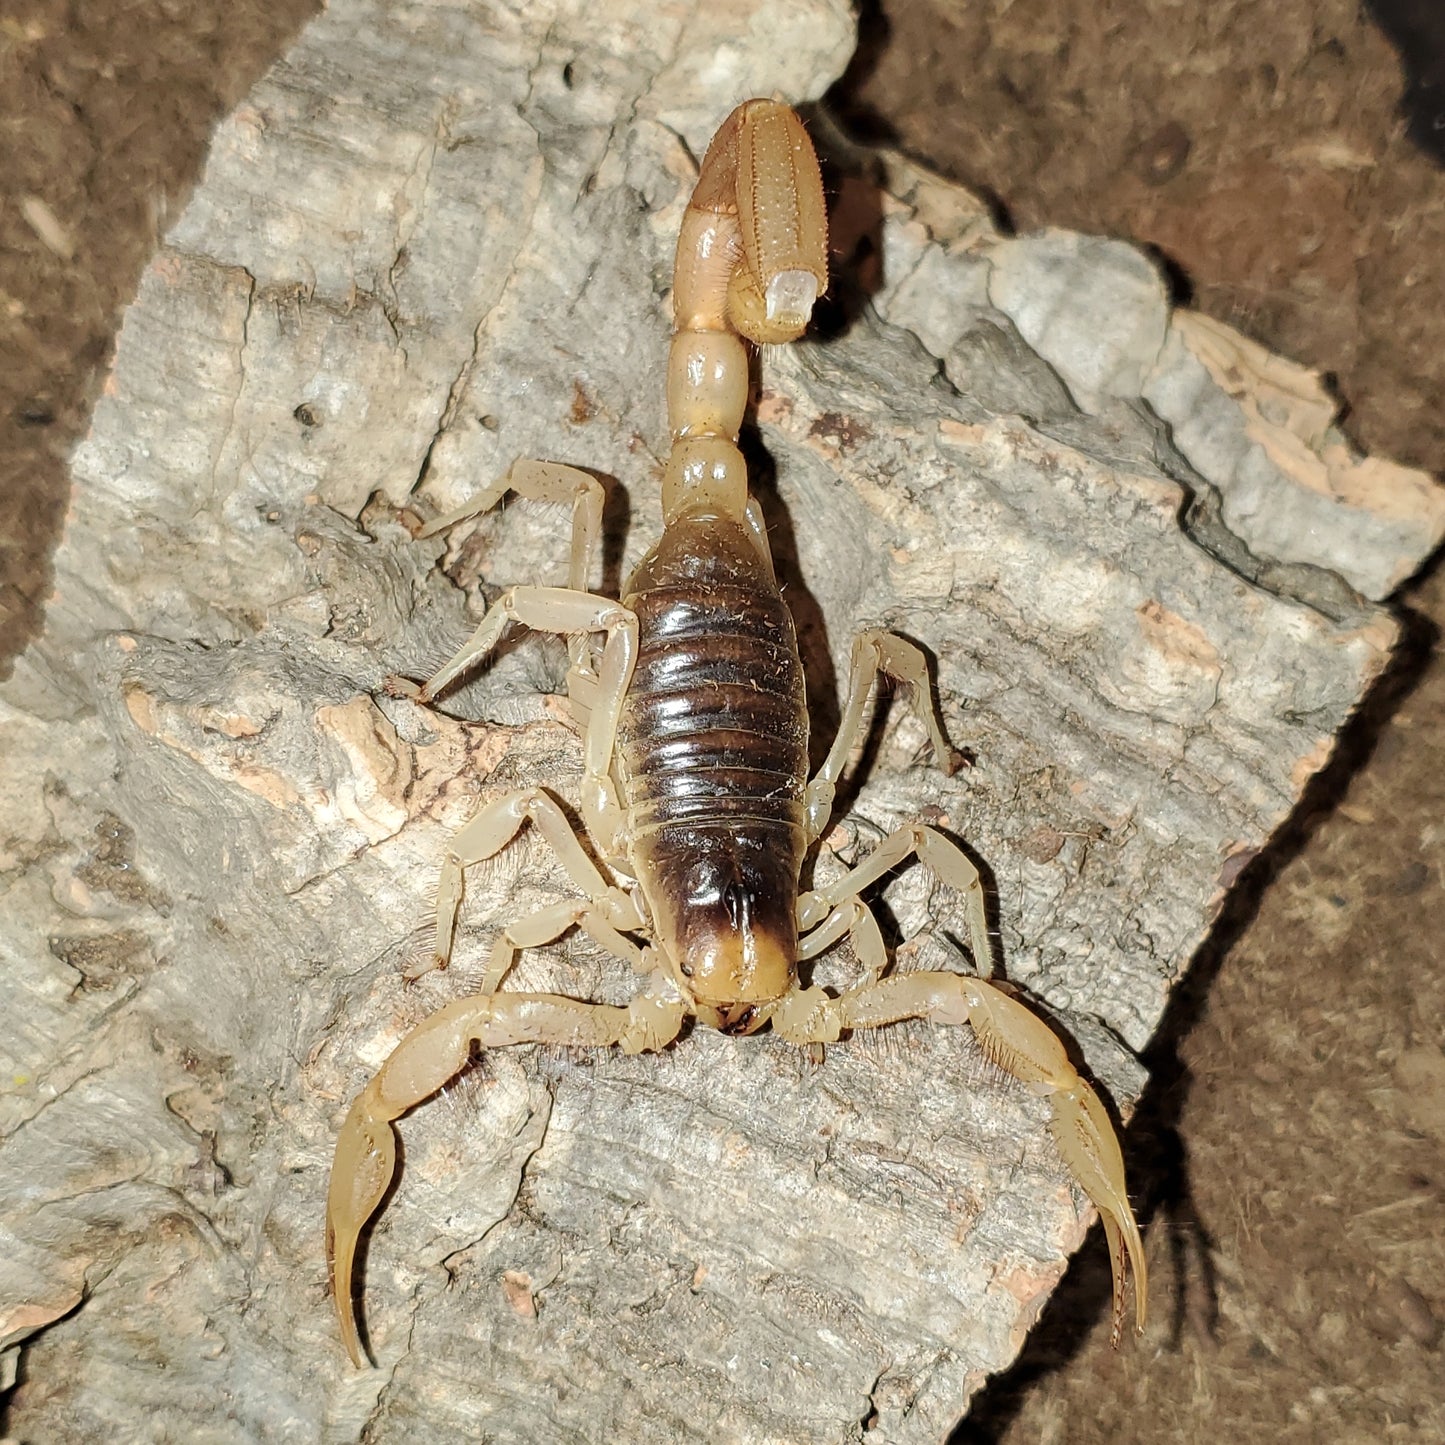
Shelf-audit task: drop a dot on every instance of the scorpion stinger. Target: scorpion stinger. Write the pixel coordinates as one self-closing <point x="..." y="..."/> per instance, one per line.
<point x="688" y="693"/>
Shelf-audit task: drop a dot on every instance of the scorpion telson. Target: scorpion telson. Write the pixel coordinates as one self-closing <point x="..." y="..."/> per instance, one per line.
<point x="688" y="694"/>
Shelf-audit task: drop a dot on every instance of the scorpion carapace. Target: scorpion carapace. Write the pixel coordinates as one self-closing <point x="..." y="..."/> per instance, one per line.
<point x="688" y="694"/>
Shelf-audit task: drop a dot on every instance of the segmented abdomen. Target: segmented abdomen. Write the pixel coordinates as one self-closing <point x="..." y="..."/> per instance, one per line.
<point x="714" y="726"/>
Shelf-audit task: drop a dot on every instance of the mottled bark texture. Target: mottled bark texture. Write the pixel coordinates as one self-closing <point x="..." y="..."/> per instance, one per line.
<point x="435" y="239"/>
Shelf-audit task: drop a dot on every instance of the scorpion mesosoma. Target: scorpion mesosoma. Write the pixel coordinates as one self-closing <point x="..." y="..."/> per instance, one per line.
<point x="689" y="697"/>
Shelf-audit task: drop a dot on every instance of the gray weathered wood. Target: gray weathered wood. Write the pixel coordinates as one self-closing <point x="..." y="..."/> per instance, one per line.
<point x="431" y="241"/>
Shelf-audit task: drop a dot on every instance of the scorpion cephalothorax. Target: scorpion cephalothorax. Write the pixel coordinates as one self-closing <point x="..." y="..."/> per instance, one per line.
<point x="689" y="696"/>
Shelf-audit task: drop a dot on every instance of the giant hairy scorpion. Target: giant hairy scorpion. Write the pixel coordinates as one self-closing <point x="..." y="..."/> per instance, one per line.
<point x="688" y="693"/>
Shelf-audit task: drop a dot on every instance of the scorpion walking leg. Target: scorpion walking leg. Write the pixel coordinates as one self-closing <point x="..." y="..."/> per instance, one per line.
<point x="835" y="907"/>
<point x="552" y="482"/>
<point x="559" y="609"/>
<point x="544" y="482"/>
<point x="436" y="1049"/>
<point x="604" y="911"/>
<point x="1019" y="1041"/>
<point x="874" y="651"/>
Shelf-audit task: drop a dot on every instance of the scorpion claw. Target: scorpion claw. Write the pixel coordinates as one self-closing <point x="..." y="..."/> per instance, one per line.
<point x="360" y="1176"/>
<point x="1020" y="1042"/>
<point x="1090" y="1148"/>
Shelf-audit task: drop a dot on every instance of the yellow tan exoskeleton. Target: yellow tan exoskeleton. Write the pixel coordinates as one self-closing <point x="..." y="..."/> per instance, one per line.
<point x="689" y="695"/>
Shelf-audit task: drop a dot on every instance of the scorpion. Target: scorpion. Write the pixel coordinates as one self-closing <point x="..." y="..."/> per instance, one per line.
<point x="688" y="695"/>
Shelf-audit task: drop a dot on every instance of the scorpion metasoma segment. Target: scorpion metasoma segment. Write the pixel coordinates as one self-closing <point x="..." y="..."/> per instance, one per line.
<point x="689" y="697"/>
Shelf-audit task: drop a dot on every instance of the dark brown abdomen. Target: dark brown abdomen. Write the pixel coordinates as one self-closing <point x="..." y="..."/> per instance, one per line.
<point x="713" y="735"/>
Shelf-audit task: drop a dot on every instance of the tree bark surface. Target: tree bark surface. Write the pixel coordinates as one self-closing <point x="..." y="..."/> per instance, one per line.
<point x="437" y="239"/>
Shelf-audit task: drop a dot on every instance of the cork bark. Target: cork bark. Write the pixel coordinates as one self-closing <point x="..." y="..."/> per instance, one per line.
<point x="431" y="241"/>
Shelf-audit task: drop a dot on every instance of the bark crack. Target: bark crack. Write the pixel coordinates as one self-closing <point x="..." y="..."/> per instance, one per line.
<point x="461" y="381"/>
<point x="229" y="427"/>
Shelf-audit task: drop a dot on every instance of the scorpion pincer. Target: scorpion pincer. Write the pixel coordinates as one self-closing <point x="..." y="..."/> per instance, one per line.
<point x="688" y="693"/>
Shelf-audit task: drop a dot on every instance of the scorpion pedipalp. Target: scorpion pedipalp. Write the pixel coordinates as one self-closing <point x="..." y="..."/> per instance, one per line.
<point x="435" y="1051"/>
